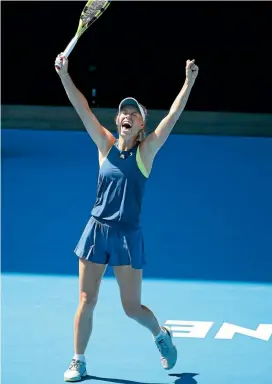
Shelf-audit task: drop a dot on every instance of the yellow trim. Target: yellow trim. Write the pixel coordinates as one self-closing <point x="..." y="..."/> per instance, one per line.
<point x="140" y="163"/>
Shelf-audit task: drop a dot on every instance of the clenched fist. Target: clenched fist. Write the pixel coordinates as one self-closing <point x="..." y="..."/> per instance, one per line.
<point x="61" y="65"/>
<point x="191" y="71"/>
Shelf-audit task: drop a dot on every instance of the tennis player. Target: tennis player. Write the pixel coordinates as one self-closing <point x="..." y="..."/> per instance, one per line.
<point x="113" y="235"/>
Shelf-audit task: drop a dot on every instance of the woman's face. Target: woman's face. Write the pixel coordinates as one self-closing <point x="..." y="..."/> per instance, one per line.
<point x="129" y="121"/>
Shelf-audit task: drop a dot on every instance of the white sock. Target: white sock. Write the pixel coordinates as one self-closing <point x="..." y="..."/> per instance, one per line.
<point x="79" y="357"/>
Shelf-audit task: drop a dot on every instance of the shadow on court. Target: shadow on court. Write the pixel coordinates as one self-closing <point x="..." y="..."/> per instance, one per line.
<point x="207" y="210"/>
<point x="183" y="378"/>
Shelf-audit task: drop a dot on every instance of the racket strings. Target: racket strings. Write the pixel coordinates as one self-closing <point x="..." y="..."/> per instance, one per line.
<point x="91" y="9"/>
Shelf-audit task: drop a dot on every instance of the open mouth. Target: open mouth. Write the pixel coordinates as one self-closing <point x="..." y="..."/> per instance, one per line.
<point x="126" y="124"/>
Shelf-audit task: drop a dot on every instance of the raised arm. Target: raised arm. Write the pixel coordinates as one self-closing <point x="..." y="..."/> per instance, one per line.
<point x="156" y="139"/>
<point x="100" y="135"/>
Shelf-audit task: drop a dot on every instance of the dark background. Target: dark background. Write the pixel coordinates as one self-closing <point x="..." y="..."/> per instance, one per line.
<point x="139" y="49"/>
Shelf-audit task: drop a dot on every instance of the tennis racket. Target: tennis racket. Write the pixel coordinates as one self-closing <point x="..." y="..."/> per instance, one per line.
<point x="91" y="12"/>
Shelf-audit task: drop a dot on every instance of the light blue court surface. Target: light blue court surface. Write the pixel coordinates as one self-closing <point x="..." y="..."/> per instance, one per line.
<point x="208" y="229"/>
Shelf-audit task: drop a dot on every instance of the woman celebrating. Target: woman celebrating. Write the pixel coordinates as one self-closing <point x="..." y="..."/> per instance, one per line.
<point x="113" y="235"/>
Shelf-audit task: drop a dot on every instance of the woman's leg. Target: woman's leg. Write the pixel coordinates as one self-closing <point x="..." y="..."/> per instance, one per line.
<point x="90" y="276"/>
<point x="130" y="284"/>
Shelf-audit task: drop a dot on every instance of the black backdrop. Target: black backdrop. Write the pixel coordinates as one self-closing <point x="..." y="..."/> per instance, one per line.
<point x="139" y="49"/>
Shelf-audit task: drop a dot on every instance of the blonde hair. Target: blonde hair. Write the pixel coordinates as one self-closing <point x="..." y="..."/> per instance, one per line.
<point x="142" y="133"/>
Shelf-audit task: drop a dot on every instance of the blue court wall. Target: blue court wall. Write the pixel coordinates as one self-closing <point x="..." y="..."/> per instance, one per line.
<point x="207" y="209"/>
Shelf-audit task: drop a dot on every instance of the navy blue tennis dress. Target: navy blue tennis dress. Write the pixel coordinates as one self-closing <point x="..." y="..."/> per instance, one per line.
<point x="113" y="235"/>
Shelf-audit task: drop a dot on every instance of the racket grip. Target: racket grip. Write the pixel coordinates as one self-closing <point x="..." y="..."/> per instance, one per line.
<point x="70" y="47"/>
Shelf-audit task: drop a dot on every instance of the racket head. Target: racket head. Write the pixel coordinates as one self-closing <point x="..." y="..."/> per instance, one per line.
<point x="92" y="11"/>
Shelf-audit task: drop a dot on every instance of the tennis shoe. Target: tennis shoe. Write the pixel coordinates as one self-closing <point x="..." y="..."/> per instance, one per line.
<point x="76" y="371"/>
<point x="167" y="349"/>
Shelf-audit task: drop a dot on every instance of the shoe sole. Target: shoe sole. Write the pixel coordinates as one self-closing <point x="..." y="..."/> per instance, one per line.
<point x="175" y="361"/>
<point x="73" y="380"/>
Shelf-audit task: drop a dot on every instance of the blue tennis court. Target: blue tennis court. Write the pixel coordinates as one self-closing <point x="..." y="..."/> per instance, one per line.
<point x="207" y="225"/>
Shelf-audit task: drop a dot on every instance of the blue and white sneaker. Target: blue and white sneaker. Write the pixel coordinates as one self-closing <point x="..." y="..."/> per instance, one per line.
<point x="76" y="371"/>
<point x="167" y="349"/>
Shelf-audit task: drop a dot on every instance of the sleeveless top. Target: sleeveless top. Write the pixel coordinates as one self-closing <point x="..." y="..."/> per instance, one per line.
<point x="120" y="190"/>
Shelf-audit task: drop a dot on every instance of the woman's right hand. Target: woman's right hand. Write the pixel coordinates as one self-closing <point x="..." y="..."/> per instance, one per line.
<point x="61" y="65"/>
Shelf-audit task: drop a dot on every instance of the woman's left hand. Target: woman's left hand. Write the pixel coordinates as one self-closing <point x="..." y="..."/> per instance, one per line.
<point x="191" y="71"/>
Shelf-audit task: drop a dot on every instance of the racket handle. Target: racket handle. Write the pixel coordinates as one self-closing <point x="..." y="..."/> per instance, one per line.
<point x="67" y="51"/>
<point x="70" y="47"/>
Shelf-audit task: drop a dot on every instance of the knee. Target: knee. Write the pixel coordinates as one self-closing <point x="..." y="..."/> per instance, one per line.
<point x="132" y="310"/>
<point x="88" y="300"/>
